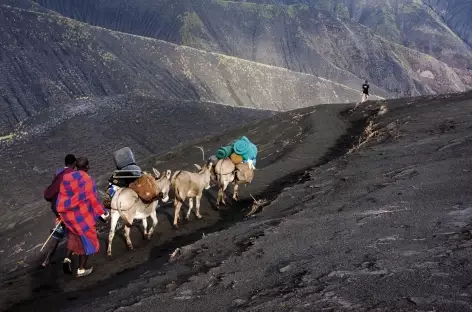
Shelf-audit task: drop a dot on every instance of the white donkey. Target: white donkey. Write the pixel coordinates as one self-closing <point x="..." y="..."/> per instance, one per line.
<point x="190" y="185"/>
<point x="127" y="205"/>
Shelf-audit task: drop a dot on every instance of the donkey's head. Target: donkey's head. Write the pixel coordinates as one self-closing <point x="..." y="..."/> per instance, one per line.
<point x="163" y="183"/>
<point x="205" y="172"/>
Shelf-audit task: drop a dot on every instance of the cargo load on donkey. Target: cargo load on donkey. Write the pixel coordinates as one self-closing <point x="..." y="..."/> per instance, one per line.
<point x="126" y="169"/>
<point x="236" y="165"/>
<point x="129" y="174"/>
<point x="146" y="188"/>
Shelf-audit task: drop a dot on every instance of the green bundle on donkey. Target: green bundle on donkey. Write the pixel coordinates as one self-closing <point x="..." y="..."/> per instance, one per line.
<point x="242" y="147"/>
<point x="235" y="165"/>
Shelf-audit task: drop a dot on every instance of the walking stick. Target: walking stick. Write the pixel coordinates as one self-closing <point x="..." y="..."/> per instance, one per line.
<point x="47" y="240"/>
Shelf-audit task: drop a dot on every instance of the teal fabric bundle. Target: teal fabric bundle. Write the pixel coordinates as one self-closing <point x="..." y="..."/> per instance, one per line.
<point x="245" y="148"/>
<point x="242" y="147"/>
<point x="224" y="152"/>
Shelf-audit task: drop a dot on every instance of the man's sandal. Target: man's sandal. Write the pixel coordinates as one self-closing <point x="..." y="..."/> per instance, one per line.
<point x="84" y="272"/>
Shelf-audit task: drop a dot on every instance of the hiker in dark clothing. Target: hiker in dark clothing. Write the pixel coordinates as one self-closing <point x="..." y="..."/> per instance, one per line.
<point x="365" y="92"/>
<point x="50" y="195"/>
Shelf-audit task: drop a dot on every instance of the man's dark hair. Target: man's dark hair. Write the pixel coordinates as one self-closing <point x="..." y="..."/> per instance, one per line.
<point x="82" y="163"/>
<point x="70" y="160"/>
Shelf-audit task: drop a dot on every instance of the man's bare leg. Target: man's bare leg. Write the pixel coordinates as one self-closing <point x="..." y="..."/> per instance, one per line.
<point x="67" y="263"/>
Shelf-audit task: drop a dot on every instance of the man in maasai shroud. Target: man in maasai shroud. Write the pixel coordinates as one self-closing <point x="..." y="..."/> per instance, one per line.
<point x="50" y="194"/>
<point x="79" y="208"/>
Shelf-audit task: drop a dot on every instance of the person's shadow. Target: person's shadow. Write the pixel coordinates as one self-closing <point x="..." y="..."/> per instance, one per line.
<point x="41" y="281"/>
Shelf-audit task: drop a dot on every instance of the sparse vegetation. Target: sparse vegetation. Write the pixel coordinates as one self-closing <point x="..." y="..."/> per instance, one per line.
<point x="108" y="56"/>
<point x="342" y="11"/>
<point x="291" y="11"/>
<point x="8" y="137"/>
<point x="410" y="7"/>
<point x="223" y="3"/>
<point x="192" y="28"/>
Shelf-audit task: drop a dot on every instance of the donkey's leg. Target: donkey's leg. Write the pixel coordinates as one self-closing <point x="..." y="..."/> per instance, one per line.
<point x="225" y="186"/>
<point x="220" y="196"/>
<point x="197" y="204"/>
<point x="190" y="207"/>
<point x="127" y="237"/>
<point x="177" y="205"/>
<point x="154" y="224"/>
<point x="145" y="232"/>
<point x="235" y="192"/>
<point x="114" y="220"/>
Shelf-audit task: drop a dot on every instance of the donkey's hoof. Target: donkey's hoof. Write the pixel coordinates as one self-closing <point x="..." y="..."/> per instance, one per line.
<point x="109" y="255"/>
<point x="199" y="217"/>
<point x="147" y="236"/>
<point x="175" y="226"/>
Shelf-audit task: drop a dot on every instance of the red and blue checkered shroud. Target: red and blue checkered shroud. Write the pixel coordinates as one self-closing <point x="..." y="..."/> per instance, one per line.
<point x="79" y="207"/>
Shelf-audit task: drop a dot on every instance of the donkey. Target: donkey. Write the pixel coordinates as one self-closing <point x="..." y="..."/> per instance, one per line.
<point x="127" y="205"/>
<point x="223" y="173"/>
<point x="190" y="185"/>
<point x="226" y="172"/>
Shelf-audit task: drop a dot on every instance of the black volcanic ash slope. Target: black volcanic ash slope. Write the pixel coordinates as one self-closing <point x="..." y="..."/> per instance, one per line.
<point x="384" y="226"/>
<point x="300" y="38"/>
<point x="48" y="60"/>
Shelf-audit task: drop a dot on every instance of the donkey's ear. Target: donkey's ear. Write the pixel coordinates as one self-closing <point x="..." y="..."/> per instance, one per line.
<point x="198" y="167"/>
<point x="157" y="174"/>
<point x="168" y="172"/>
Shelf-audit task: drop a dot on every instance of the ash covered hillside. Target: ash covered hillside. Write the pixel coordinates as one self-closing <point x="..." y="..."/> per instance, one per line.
<point x="48" y="60"/>
<point x="367" y="209"/>
<point x="436" y="27"/>
<point x="456" y="13"/>
<point x="416" y="54"/>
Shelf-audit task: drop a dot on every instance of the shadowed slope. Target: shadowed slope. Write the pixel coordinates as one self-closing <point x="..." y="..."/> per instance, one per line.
<point x="48" y="60"/>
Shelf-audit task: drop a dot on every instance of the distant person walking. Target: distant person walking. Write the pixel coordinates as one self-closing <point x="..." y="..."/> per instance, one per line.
<point x="50" y="195"/>
<point x="365" y="92"/>
<point x="79" y="208"/>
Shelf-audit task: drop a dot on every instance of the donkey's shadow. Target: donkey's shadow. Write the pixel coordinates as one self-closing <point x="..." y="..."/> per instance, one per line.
<point x="209" y="198"/>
